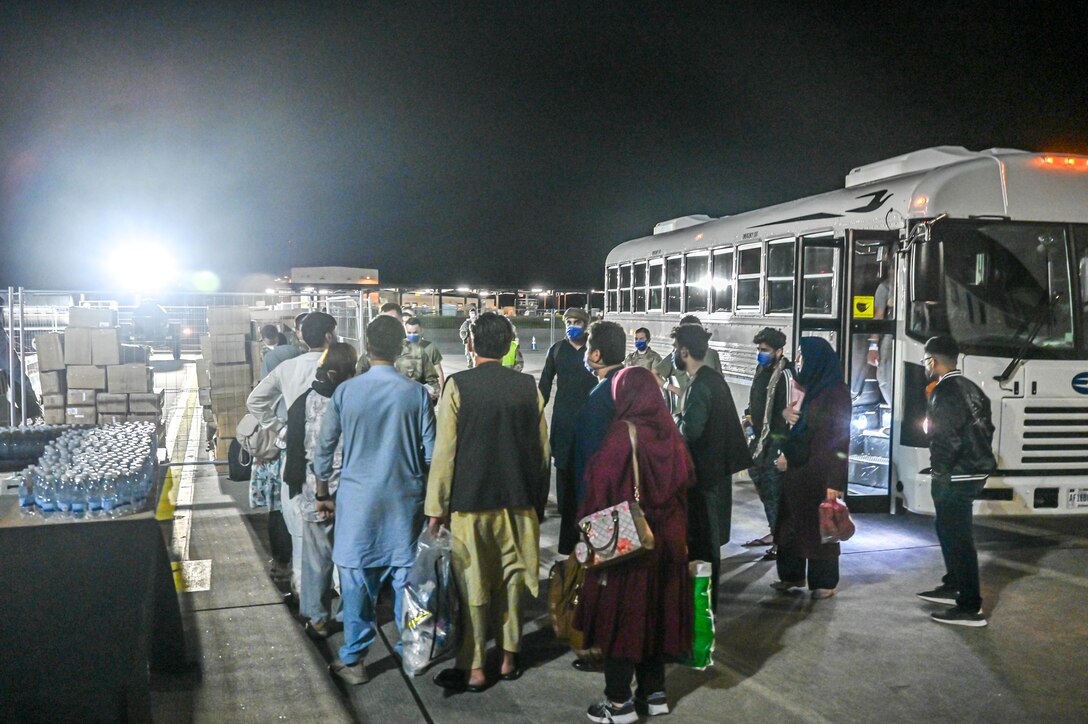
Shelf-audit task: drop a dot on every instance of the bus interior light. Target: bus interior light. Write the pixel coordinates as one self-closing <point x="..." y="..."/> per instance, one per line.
<point x="920" y="201"/>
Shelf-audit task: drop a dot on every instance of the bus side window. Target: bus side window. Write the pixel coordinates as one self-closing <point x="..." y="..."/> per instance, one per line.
<point x="612" y="285"/>
<point x="657" y="277"/>
<point x="723" y="280"/>
<point x="749" y="278"/>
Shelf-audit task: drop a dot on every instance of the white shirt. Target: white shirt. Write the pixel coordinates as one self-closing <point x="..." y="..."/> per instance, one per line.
<point x="287" y="381"/>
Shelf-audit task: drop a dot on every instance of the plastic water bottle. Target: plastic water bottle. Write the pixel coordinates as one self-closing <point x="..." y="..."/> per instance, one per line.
<point x="45" y="494"/>
<point x="26" y="493"/>
<point x="64" y="496"/>
<point x="94" y="496"/>
<point x="109" y="496"/>
<point x="79" y="497"/>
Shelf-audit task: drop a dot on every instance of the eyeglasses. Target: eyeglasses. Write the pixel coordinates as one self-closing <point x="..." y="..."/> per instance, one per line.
<point x="927" y="358"/>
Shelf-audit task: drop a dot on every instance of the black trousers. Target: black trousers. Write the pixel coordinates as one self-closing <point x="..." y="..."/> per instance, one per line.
<point x="705" y="532"/>
<point x="821" y="573"/>
<point x="566" y="493"/>
<point x="650" y="675"/>
<point x="279" y="538"/>
<point x="952" y="503"/>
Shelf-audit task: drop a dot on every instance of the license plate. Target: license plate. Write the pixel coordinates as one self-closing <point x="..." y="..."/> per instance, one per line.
<point x="1078" y="498"/>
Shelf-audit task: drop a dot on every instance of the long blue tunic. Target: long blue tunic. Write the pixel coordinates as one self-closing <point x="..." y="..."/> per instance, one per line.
<point x="388" y="428"/>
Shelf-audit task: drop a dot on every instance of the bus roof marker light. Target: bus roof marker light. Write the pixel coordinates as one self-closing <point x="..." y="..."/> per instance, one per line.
<point x="920" y="202"/>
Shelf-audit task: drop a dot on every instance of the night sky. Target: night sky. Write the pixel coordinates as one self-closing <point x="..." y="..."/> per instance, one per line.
<point x="481" y="143"/>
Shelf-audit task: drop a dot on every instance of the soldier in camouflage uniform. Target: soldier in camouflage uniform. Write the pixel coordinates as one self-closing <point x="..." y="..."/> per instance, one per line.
<point x="415" y="364"/>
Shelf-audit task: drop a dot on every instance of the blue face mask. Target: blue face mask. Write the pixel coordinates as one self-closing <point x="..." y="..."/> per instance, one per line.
<point x="641" y="345"/>
<point x="413" y="337"/>
<point x="763" y="358"/>
<point x="574" y="333"/>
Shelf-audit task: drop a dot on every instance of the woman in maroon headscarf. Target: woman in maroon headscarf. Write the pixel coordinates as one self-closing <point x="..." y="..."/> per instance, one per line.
<point x="639" y="613"/>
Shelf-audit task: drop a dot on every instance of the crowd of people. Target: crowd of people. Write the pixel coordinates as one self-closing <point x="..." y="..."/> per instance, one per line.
<point x="381" y="445"/>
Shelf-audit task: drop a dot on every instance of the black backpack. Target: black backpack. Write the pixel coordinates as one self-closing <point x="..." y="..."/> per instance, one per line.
<point x="239" y="462"/>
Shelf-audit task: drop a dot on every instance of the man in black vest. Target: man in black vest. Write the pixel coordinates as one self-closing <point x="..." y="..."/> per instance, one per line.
<point x="711" y="426"/>
<point x="488" y="480"/>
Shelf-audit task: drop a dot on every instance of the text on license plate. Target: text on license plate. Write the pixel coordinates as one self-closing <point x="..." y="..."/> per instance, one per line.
<point x="1078" y="498"/>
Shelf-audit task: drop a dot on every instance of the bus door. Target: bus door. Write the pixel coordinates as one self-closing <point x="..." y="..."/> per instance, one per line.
<point x="869" y="363"/>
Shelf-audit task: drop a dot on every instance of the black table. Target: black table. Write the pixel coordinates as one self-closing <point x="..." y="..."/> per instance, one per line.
<point x="87" y="609"/>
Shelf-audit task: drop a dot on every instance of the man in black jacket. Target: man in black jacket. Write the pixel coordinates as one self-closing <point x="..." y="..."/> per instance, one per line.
<point x="711" y="427"/>
<point x="771" y="393"/>
<point x="960" y="456"/>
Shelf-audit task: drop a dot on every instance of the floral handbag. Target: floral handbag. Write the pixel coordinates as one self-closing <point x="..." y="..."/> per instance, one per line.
<point x="617" y="533"/>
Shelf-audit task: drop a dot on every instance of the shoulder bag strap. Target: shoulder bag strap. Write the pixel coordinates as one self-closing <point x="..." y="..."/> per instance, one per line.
<point x="632" y="433"/>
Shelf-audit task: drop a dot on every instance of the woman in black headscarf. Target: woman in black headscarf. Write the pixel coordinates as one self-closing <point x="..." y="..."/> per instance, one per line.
<point x="814" y="461"/>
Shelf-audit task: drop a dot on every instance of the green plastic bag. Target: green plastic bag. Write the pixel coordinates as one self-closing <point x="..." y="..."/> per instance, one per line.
<point x="702" y="644"/>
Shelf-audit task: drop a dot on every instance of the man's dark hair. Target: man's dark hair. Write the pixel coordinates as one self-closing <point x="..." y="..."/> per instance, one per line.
<point x="643" y="330"/>
<point x="315" y="327"/>
<point x="390" y="306"/>
<point x="384" y="338"/>
<point x="414" y="321"/>
<point x="689" y="319"/>
<point x="609" y="339"/>
<point x="299" y="319"/>
<point x="694" y="338"/>
<point x="270" y="331"/>
<point x="491" y="335"/>
<point x="944" y="347"/>
<point x="771" y="337"/>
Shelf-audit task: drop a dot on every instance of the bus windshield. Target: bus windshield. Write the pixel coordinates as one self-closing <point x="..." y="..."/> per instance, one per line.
<point x="1003" y="282"/>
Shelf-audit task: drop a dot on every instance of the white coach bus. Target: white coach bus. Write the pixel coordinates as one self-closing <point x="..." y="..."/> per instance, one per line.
<point x="990" y="247"/>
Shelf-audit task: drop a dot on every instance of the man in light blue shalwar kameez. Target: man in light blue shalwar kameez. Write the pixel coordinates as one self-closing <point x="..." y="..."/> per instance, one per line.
<point x="389" y="429"/>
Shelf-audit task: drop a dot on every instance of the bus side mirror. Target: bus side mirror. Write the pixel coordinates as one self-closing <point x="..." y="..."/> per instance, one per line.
<point x="927" y="272"/>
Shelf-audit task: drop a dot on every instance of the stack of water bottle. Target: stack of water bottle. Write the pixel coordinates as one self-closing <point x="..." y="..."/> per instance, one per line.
<point x="95" y="472"/>
<point x="21" y="446"/>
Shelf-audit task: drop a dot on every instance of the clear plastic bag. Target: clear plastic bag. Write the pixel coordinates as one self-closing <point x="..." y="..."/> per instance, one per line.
<point x="430" y="623"/>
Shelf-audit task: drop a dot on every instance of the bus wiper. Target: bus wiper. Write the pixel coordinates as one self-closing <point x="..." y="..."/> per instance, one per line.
<point x="1043" y="315"/>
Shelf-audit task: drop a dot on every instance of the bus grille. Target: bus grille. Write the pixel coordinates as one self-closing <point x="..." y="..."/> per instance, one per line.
<point x="1049" y="434"/>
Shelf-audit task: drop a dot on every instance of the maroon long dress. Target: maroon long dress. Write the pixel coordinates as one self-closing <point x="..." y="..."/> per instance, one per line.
<point x="641" y="609"/>
<point x="825" y="465"/>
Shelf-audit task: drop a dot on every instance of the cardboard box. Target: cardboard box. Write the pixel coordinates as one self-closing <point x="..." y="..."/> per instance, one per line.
<point x="222" y="448"/>
<point x="105" y="418"/>
<point x="234" y="376"/>
<point x="77" y="346"/>
<point x="146" y="403"/>
<point x="54" y="401"/>
<point x="53" y="383"/>
<point x="110" y="403"/>
<point x="228" y="398"/>
<point x="229" y="320"/>
<point x="89" y="318"/>
<point x="228" y="421"/>
<point x="224" y="348"/>
<point x="256" y="357"/>
<point x="106" y="346"/>
<point x="50" y="351"/>
<point x="81" y="398"/>
<point x="130" y="378"/>
<point x="54" y="415"/>
<point x="81" y="415"/>
<point x="202" y="366"/>
<point x="131" y="353"/>
<point x="87" y="377"/>
<point x="204" y="396"/>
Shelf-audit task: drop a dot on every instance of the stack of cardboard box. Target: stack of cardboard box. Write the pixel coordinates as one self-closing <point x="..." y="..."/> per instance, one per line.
<point x="88" y="377"/>
<point x="226" y="375"/>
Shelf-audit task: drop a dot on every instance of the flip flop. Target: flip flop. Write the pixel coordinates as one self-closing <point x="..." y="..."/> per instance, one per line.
<point x="756" y="543"/>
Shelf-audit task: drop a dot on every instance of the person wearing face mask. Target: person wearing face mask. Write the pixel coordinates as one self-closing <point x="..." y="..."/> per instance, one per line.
<point x="771" y="393"/>
<point x="566" y="367"/>
<point x="675" y="381"/>
<point x="711" y="427"/>
<point x="464" y="332"/>
<point x="643" y="356"/>
<point x="961" y="458"/>
<point x="814" y="462"/>
<point x="416" y="361"/>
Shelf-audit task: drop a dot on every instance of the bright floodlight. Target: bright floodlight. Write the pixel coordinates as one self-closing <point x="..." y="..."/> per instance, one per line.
<point x="143" y="264"/>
